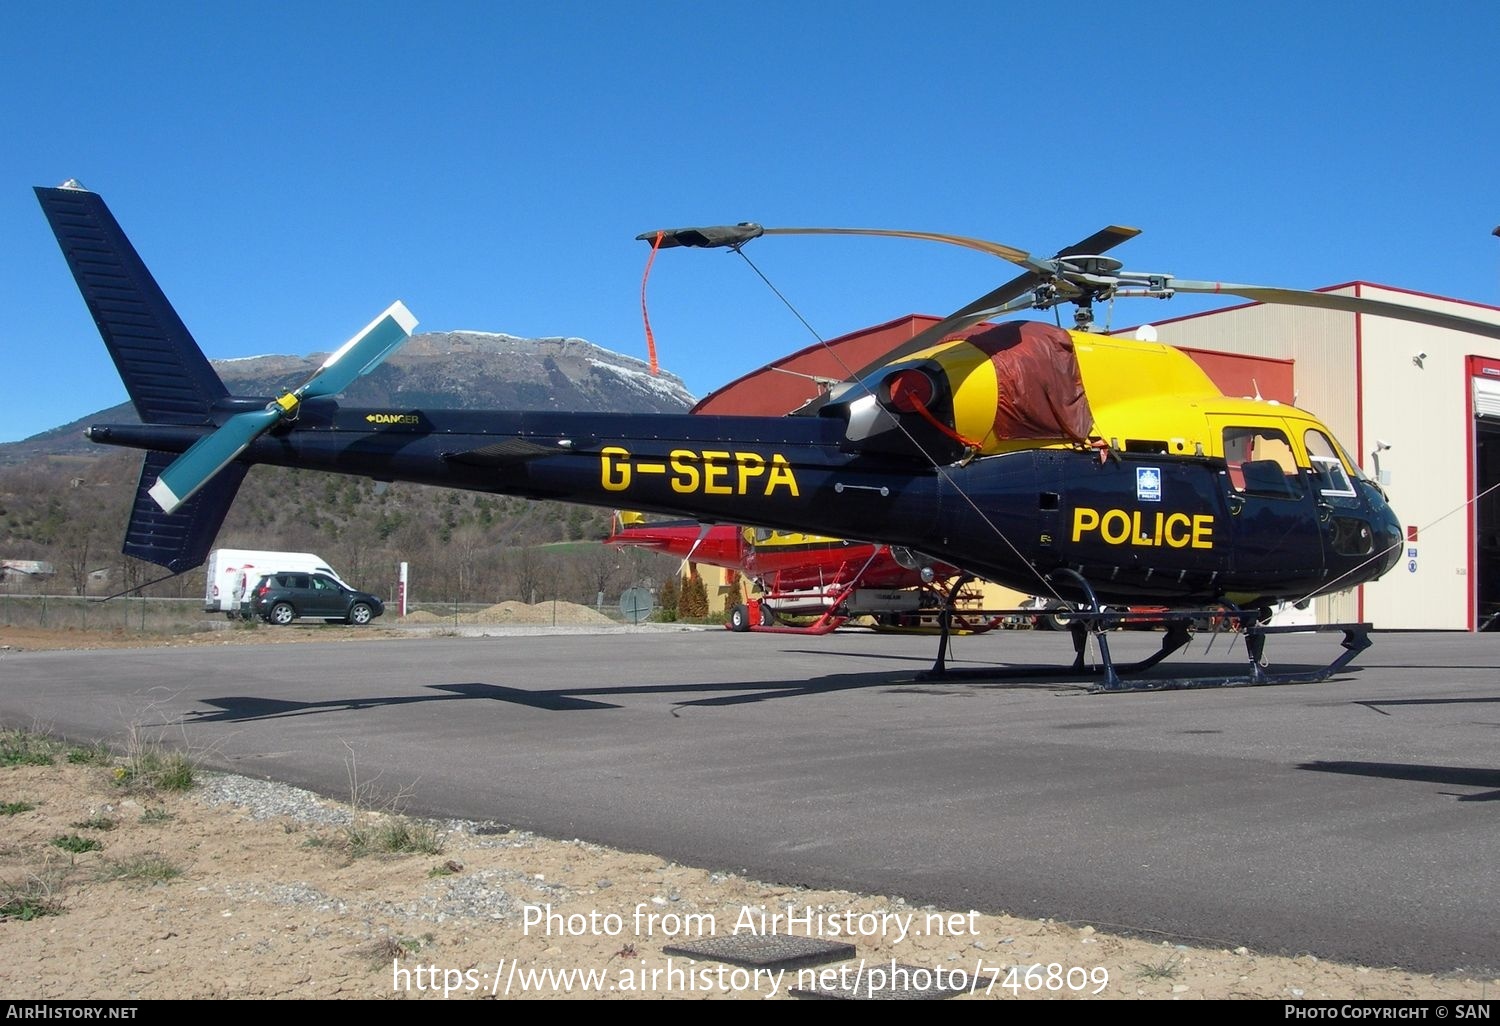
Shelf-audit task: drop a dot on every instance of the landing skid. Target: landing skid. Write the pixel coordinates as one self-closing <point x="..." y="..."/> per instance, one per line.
<point x="1179" y="631"/>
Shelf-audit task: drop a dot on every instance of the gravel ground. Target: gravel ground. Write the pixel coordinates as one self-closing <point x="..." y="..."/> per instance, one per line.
<point x="257" y="889"/>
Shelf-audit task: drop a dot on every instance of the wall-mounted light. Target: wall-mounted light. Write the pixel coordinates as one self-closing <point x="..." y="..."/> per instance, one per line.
<point x="1419" y="358"/>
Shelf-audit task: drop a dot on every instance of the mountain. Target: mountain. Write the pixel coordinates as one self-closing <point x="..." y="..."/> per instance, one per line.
<point x="472" y="370"/>
<point x="65" y="500"/>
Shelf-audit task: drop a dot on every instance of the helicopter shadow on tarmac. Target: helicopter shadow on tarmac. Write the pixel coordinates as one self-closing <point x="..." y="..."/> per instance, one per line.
<point x="1458" y="776"/>
<point x="252" y="708"/>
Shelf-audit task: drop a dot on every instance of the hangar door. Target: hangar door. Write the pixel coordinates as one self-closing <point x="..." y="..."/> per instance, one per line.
<point x="1485" y="535"/>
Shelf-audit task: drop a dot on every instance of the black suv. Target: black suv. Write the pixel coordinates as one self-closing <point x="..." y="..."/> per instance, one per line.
<point x="281" y="598"/>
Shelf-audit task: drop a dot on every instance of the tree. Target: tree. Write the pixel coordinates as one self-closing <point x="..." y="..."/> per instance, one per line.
<point x="527" y="572"/>
<point x="693" y="603"/>
<point x="668" y="598"/>
<point x="78" y="540"/>
<point x="602" y="564"/>
<point x="468" y="547"/>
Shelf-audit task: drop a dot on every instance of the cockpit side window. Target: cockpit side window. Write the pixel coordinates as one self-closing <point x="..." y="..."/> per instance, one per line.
<point x="1261" y="462"/>
<point x="1327" y="469"/>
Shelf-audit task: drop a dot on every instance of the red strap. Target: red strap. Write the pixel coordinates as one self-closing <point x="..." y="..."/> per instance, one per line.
<point x="922" y="409"/>
<point x="650" y="339"/>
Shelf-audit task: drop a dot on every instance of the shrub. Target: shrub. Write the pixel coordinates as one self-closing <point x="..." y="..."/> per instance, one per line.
<point x="668" y="598"/>
<point x="76" y="844"/>
<point x="693" y="604"/>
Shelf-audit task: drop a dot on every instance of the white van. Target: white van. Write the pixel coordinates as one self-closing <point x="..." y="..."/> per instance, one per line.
<point x="233" y="572"/>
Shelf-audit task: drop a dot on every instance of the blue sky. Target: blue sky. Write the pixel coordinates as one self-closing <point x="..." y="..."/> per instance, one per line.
<point x="288" y="170"/>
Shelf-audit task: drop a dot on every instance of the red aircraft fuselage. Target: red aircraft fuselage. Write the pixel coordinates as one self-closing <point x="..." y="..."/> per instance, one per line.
<point x="780" y="562"/>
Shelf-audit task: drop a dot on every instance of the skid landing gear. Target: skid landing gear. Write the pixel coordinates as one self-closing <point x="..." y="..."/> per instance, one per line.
<point x="1178" y="625"/>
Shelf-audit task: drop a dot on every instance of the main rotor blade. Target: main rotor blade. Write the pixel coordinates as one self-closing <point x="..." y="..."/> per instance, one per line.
<point x="995" y="303"/>
<point x="1102" y="241"/>
<point x="732" y="236"/>
<point x="209" y="455"/>
<point x="712" y="237"/>
<point x="999" y="249"/>
<point x="991" y="304"/>
<point x="1003" y="300"/>
<point x="362" y="353"/>
<point x="1346" y="304"/>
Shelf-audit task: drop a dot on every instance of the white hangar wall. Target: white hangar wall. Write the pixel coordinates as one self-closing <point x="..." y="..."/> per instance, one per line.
<point x="1376" y="380"/>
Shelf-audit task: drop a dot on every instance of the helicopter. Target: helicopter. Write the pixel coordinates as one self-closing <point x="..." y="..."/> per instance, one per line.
<point x="1102" y="469"/>
<point x="804" y="583"/>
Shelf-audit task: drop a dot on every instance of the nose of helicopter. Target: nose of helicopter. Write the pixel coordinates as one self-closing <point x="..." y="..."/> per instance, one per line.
<point x="1390" y="539"/>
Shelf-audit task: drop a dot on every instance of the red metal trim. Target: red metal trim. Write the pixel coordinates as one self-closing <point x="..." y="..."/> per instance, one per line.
<point x="1359" y="418"/>
<point x="1423" y="295"/>
<point x="1471" y="368"/>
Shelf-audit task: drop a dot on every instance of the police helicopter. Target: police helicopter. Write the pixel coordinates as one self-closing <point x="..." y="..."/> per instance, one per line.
<point x="1097" y="469"/>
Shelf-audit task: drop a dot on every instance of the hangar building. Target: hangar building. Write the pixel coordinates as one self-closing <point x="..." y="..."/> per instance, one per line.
<point x="1418" y="408"/>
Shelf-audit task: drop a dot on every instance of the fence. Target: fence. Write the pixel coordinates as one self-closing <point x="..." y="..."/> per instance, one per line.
<point x="180" y="615"/>
<point x="61" y="612"/>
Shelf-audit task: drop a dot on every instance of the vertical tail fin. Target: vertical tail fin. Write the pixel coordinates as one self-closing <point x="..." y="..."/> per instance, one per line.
<point x="169" y="379"/>
<point x="179" y="540"/>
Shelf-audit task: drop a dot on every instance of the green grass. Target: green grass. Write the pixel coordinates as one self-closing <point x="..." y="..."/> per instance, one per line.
<point x="150" y="768"/>
<point x="76" y="844"/>
<point x="383" y="951"/>
<point x="12" y="808"/>
<point x="1166" y="970"/>
<point x="28" y="901"/>
<point x="96" y="754"/>
<point x="32" y="748"/>
<point x="96" y="823"/>
<point x="27" y="748"/>
<point x="394" y="835"/>
<point x="156" y="814"/>
<point x="140" y="869"/>
<point x="26" y="908"/>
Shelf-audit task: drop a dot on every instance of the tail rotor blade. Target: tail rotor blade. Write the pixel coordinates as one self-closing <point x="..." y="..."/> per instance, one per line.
<point x="209" y="455"/>
<point x="356" y="357"/>
<point x="362" y="353"/>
